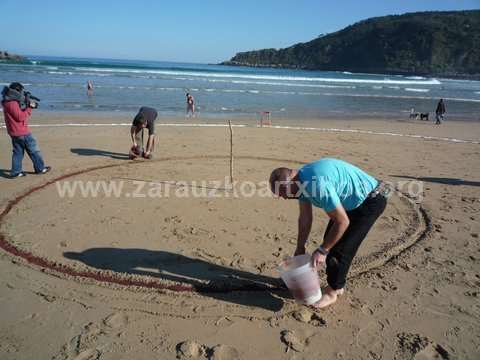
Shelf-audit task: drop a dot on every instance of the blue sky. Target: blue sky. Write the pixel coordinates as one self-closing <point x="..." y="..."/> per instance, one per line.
<point x="205" y="31"/>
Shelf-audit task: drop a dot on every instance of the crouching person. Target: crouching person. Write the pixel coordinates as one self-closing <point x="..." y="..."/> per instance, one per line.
<point x="17" y="108"/>
<point x="145" y="118"/>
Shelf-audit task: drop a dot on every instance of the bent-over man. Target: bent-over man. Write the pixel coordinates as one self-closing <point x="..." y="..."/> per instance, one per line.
<point x="352" y="199"/>
<point x="145" y="118"/>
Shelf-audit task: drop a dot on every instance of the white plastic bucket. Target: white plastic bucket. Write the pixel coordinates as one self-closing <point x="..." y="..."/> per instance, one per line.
<point x="301" y="279"/>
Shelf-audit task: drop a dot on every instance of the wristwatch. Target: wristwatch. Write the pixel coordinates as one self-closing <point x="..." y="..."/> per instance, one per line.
<point x="323" y="250"/>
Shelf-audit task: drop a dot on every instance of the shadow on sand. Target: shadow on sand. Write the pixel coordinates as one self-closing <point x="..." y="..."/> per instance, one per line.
<point x="216" y="281"/>
<point x="446" y="181"/>
<point x="4" y="173"/>
<point x="96" y="152"/>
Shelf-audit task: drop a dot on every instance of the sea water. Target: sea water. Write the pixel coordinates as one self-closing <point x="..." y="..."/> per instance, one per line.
<point x="235" y="92"/>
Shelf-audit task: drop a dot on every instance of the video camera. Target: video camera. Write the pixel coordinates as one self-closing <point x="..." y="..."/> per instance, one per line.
<point x="28" y="100"/>
<point x="15" y="92"/>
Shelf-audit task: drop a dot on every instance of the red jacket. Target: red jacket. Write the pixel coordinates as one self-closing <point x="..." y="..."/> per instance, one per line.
<point x="16" y="119"/>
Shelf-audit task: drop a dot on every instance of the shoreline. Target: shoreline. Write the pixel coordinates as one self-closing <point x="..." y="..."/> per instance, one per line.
<point x="455" y="131"/>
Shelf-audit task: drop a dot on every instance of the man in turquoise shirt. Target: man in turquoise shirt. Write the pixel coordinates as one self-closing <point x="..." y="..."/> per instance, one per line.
<point x="352" y="199"/>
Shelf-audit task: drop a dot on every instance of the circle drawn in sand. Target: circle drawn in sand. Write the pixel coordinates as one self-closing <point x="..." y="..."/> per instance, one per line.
<point x="183" y="244"/>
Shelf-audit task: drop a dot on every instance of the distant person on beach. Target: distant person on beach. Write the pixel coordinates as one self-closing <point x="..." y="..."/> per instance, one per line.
<point x="145" y="118"/>
<point x="89" y="88"/>
<point x="190" y="105"/>
<point x="353" y="201"/>
<point x="439" y="112"/>
<point x="17" y="108"/>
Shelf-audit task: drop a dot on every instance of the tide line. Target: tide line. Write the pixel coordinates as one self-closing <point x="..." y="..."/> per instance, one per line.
<point x="332" y="130"/>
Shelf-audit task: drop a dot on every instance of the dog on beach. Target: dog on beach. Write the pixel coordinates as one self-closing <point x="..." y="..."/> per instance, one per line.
<point x="419" y="116"/>
<point x="424" y="116"/>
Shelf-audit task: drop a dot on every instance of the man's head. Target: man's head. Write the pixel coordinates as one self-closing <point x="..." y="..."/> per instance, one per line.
<point x="140" y="121"/>
<point x="16" y="86"/>
<point x="282" y="183"/>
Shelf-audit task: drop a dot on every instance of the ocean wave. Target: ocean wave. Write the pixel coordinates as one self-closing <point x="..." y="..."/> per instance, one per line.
<point x="265" y="77"/>
<point x="417" y="90"/>
<point x="6" y="84"/>
<point x="286" y="84"/>
<point x="415" y="77"/>
<point x="60" y="72"/>
<point x="401" y="97"/>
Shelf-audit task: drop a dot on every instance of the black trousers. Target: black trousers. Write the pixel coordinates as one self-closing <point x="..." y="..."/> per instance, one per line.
<point x="341" y="255"/>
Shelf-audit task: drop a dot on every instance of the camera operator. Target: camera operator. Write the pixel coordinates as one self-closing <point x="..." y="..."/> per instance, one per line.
<point x="17" y="108"/>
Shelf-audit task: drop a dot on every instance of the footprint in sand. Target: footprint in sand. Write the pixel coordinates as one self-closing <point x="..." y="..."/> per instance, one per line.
<point x="291" y="341"/>
<point x="223" y="352"/>
<point x="418" y="347"/>
<point x="116" y="321"/>
<point x="89" y="354"/>
<point x="308" y="317"/>
<point x="189" y="349"/>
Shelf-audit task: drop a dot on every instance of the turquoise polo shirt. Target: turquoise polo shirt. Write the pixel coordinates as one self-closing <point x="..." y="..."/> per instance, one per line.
<point x="328" y="182"/>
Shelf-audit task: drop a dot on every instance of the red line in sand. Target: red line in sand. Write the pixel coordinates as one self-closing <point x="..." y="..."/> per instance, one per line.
<point x="63" y="269"/>
<point x="99" y="276"/>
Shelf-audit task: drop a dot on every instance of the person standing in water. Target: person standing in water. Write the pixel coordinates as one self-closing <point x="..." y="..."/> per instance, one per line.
<point x="89" y="88"/>
<point x="190" y="105"/>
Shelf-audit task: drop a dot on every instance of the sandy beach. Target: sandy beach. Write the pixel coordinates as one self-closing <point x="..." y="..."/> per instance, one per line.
<point x="173" y="277"/>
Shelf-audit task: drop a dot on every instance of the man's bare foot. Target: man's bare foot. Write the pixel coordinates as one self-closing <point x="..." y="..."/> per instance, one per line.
<point x="329" y="297"/>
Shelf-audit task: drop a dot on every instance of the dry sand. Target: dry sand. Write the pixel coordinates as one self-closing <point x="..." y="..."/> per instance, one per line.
<point x="413" y="291"/>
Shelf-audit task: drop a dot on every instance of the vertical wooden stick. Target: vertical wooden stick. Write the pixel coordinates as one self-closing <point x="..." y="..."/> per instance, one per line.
<point x="231" y="152"/>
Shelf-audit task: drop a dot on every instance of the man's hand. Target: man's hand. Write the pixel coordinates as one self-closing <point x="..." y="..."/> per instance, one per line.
<point x="318" y="258"/>
<point x="300" y="250"/>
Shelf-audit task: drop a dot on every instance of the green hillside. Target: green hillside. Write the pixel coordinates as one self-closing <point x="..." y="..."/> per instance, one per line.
<point x="439" y="43"/>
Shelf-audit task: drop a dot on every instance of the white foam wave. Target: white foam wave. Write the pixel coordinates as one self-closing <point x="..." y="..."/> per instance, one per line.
<point x="60" y="72"/>
<point x="289" y="84"/>
<point x="417" y="90"/>
<point x="400" y="97"/>
<point x="265" y="77"/>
